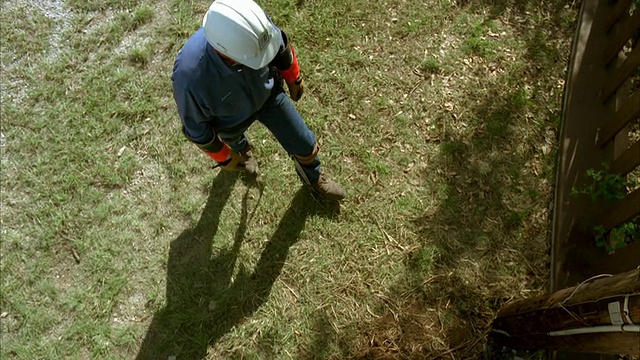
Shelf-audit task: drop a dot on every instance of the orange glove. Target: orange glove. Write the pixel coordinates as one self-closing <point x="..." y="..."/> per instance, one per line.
<point x="231" y="164"/>
<point x="296" y="88"/>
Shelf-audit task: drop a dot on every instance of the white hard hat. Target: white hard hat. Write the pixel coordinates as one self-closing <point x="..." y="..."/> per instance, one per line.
<point x="240" y="30"/>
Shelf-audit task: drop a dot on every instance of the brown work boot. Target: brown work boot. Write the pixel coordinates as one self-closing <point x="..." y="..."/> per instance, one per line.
<point x="328" y="189"/>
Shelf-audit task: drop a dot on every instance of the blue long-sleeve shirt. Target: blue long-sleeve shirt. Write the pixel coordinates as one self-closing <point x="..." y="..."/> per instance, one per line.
<point x="210" y="94"/>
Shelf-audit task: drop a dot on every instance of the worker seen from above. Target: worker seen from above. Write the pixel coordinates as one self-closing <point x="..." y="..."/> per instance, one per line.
<point x="229" y="74"/>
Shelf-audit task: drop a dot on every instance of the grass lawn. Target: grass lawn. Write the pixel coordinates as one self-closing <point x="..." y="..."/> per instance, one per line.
<point x="119" y="241"/>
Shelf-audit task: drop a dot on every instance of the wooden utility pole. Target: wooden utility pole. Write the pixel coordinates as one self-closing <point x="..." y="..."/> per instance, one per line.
<point x="600" y="315"/>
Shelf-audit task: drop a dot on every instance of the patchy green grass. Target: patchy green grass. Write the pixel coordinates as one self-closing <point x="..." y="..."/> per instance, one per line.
<point x="119" y="241"/>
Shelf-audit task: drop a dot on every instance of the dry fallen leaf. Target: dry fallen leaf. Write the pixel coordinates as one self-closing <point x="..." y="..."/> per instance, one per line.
<point x="448" y="106"/>
<point x="408" y="168"/>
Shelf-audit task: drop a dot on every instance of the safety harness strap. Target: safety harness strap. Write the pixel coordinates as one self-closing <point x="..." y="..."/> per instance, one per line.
<point x="306" y="159"/>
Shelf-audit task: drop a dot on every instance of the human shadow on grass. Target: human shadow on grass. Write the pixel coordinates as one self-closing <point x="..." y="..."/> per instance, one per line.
<point x="204" y="301"/>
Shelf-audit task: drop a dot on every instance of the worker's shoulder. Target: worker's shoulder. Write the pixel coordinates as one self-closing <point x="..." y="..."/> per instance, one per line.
<point x="191" y="60"/>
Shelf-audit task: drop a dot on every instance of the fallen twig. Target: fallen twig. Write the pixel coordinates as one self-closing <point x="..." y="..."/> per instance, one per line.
<point x="468" y="344"/>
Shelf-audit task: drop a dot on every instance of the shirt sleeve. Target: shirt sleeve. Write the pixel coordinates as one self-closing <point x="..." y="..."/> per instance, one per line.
<point x="286" y="60"/>
<point x="195" y="124"/>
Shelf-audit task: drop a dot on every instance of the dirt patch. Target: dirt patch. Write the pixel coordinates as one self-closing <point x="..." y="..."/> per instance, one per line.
<point x="417" y="333"/>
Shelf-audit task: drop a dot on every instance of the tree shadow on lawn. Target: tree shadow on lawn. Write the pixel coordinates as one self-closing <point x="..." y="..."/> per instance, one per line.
<point x="459" y="276"/>
<point x="487" y="239"/>
<point x="481" y="225"/>
<point x="541" y="34"/>
<point x="521" y="7"/>
<point x="204" y="302"/>
<point x="483" y="229"/>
